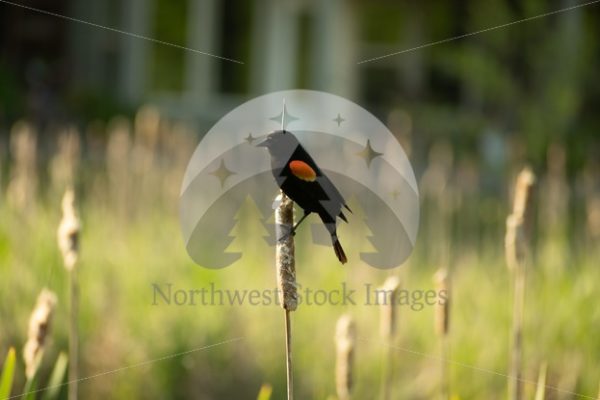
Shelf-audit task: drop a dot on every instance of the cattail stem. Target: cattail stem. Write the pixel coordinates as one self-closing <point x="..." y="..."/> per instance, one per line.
<point x="73" y="335"/>
<point x="389" y="318"/>
<point x="387" y="374"/>
<point x="444" y="368"/>
<point x="288" y="356"/>
<point x="345" y="341"/>
<point x="286" y="274"/>
<point x="442" y="327"/>
<point x="517" y="334"/>
<point x="540" y="391"/>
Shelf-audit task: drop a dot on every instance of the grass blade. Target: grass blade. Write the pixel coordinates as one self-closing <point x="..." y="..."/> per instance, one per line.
<point x="8" y="374"/>
<point x="56" y="379"/>
<point x="30" y="389"/>
<point x="265" y="392"/>
<point x="540" y="391"/>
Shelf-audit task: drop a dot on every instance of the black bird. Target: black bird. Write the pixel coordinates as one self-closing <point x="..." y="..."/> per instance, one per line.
<point x="301" y="179"/>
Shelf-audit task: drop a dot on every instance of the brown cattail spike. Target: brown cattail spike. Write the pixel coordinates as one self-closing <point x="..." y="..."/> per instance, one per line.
<point x="517" y="223"/>
<point x="39" y="326"/>
<point x="284" y="253"/>
<point x="514" y="241"/>
<point x="63" y="166"/>
<point x="523" y="187"/>
<point x="388" y="301"/>
<point x="516" y="249"/>
<point x="22" y="188"/>
<point x="345" y="342"/>
<point x="286" y="274"/>
<point x="68" y="231"/>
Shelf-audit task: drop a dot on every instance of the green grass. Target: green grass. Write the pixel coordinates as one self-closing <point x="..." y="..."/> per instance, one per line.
<point x="121" y="330"/>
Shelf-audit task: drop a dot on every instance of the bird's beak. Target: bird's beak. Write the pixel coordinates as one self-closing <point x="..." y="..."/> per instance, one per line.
<point x="262" y="143"/>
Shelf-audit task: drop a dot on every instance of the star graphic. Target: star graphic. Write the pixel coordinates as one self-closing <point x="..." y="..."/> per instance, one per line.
<point x="339" y="119"/>
<point x="222" y="173"/>
<point x="287" y="117"/>
<point x="368" y="154"/>
<point x="250" y="139"/>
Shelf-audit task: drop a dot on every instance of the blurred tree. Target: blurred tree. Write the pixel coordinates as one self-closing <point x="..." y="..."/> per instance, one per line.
<point x="167" y="66"/>
<point x="249" y="233"/>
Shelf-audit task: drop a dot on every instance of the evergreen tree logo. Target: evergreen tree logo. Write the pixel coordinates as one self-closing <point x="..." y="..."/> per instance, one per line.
<point x="228" y="189"/>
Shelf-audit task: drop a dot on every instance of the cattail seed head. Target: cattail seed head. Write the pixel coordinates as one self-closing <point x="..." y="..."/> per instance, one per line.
<point x="64" y="164"/>
<point x="22" y="187"/>
<point x="389" y="293"/>
<point x="345" y="342"/>
<point x="515" y="240"/>
<point x="442" y="306"/>
<point x="39" y="326"/>
<point x="147" y="123"/>
<point x="284" y="253"/>
<point x="523" y="194"/>
<point x="68" y="231"/>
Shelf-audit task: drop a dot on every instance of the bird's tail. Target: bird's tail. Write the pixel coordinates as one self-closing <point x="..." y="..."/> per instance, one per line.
<point x="339" y="251"/>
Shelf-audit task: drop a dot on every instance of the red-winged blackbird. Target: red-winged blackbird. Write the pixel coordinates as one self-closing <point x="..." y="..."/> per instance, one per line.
<point x="300" y="178"/>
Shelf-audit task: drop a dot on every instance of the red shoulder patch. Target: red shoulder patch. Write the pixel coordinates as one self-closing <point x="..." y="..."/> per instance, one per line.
<point x="302" y="170"/>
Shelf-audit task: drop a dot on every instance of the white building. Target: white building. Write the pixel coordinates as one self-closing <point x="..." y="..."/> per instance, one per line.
<point x="282" y="45"/>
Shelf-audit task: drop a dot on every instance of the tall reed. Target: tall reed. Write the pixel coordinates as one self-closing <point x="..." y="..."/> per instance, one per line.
<point x="516" y="249"/>
<point x="118" y="166"/>
<point x="286" y="274"/>
<point x="345" y="343"/>
<point x="37" y="334"/>
<point x="540" y="390"/>
<point x="389" y="319"/>
<point x="146" y="132"/>
<point x="442" y="328"/>
<point x="64" y="164"/>
<point x="22" y="188"/>
<point x="68" y="243"/>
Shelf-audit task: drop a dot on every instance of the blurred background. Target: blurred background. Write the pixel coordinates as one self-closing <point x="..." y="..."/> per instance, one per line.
<point x="118" y="117"/>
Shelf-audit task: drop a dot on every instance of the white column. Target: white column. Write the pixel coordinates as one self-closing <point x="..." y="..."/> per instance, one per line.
<point x="275" y="46"/>
<point x="333" y="42"/>
<point x="87" y="43"/>
<point x="410" y="65"/>
<point x="203" y="34"/>
<point x="137" y="18"/>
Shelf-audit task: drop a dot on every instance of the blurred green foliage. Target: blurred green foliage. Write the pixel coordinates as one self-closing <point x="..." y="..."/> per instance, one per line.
<point x="516" y="91"/>
<point x="120" y="326"/>
<point x="167" y="64"/>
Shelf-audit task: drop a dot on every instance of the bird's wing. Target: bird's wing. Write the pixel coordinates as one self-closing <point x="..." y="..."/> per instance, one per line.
<point x="302" y="170"/>
<point x="333" y="201"/>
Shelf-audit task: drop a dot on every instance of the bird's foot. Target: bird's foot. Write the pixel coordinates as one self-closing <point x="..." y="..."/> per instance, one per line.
<point x="286" y="236"/>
